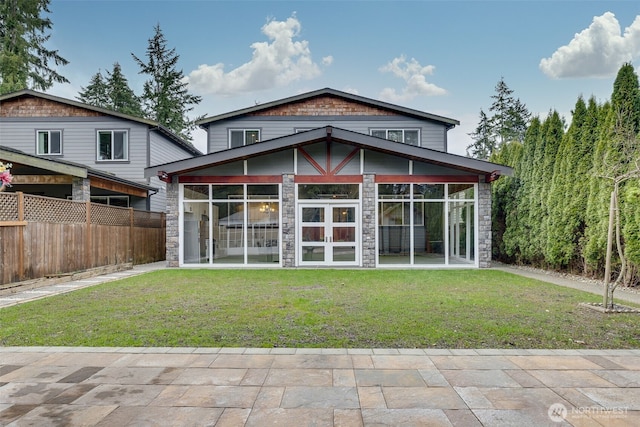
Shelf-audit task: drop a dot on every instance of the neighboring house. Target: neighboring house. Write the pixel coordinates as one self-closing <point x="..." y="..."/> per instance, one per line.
<point x="67" y="149"/>
<point x="328" y="178"/>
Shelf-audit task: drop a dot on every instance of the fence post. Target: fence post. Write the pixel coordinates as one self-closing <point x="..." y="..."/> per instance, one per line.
<point x="132" y="248"/>
<point x="88" y="242"/>
<point x="21" y="235"/>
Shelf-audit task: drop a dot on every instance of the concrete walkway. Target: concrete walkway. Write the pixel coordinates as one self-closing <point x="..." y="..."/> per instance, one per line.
<point x="85" y="386"/>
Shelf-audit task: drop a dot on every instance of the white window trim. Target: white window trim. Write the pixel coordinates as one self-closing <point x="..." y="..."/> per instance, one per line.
<point x="244" y="135"/>
<point x="126" y="145"/>
<point x="48" y="131"/>
<point x="403" y="130"/>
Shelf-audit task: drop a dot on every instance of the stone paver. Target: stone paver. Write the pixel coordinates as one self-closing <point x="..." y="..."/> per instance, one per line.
<point x="78" y="386"/>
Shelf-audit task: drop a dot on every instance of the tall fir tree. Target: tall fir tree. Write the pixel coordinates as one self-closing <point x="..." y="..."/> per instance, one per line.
<point x="165" y="96"/>
<point x="483" y="141"/>
<point x="112" y="92"/>
<point x="25" y="61"/>
<point x="121" y="97"/>
<point x="510" y="116"/>
<point x="96" y="93"/>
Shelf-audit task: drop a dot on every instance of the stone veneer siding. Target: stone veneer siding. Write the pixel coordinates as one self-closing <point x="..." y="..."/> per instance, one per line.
<point x="368" y="224"/>
<point x="288" y="220"/>
<point x="484" y="225"/>
<point x="81" y="189"/>
<point x="172" y="221"/>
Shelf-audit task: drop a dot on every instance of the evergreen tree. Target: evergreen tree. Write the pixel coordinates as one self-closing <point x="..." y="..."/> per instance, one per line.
<point x="25" y="62"/>
<point x="112" y="92"/>
<point x="517" y="234"/>
<point x="165" y="96"/>
<point x="121" y="97"/>
<point x="626" y="97"/>
<point x="544" y="165"/>
<point x="510" y="115"/>
<point x="504" y="202"/>
<point x="560" y="237"/>
<point x="96" y="93"/>
<point x="483" y="141"/>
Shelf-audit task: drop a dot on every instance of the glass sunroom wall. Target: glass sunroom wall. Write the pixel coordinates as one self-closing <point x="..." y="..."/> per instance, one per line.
<point x="394" y="224"/>
<point x="429" y="224"/>
<point x="195" y="232"/>
<point x="461" y="223"/>
<point x="263" y="226"/>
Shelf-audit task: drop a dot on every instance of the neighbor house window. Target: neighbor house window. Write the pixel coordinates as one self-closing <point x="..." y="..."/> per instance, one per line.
<point x="49" y="142"/>
<point x="240" y="137"/>
<point x="113" y="145"/>
<point x="407" y="136"/>
<point x="121" y="201"/>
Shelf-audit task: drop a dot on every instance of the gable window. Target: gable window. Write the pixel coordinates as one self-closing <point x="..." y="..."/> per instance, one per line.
<point x="49" y="142"/>
<point x="113" y="145"/>
<point x="240" y="137"/>
<point x="407" y="136"/>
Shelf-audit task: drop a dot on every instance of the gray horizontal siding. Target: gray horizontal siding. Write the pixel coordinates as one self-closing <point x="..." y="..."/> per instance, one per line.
<point x="79" y="141"/>
<point x="433" y="134"/>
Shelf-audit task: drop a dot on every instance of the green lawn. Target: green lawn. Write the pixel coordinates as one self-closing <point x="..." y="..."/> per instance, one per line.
<point x="320" y="308"/>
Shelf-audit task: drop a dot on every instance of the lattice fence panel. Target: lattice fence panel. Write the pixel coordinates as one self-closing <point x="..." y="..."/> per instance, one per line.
<point x="147" y="219"/>
<point x="109" y="215"/>
<point x="46" y="209"/>
<point x="8" y="207"/>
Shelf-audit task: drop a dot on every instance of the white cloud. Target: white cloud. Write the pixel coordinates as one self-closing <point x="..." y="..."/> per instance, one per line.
<point x="327" y="60"/>
<point x="275" y="63"/>
<point x="414" y="76"/>
<point x="597" y="51"/>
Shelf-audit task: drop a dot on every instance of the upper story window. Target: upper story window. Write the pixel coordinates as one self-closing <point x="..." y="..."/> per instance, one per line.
<point x="49" y="142"/>
<point x="407" y="136"/>
<point x="240" y="137"/>
<point x="113" y="145"/>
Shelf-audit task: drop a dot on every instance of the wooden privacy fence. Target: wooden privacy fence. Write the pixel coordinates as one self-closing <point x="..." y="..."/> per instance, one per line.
<point x="42" y="236"/>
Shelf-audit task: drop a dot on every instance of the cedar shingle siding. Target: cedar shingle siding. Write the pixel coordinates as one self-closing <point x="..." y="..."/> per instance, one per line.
<point x="36" y="107"/>
<point x="325" y="106"/>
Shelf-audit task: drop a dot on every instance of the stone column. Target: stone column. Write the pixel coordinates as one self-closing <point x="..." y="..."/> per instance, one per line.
<point x="484" y="225"/>
<point x="368" y="198"/>
<point x="81" y="189"/>
<point x="288" y="226"/>
<point x="172" y="224"/>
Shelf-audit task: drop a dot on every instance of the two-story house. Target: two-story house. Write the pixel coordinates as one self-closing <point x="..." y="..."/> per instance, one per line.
<point x="67" y="149"/>
<point x="328" y="178"/>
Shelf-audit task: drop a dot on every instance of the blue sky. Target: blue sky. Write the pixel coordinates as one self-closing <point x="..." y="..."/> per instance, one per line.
<point x="442" y="57"/>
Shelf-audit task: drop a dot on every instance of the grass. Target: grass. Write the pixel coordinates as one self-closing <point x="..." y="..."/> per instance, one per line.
<point x="320" y="308"/>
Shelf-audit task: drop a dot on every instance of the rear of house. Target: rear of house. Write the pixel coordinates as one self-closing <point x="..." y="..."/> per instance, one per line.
<point x="328" y="179"/>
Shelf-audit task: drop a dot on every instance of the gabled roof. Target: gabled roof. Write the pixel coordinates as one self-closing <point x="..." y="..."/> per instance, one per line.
<point x="450" y="123"/>
<point x="153" y="125"/>
<point x="64" y="167"/>
<point x="330" y="133"/>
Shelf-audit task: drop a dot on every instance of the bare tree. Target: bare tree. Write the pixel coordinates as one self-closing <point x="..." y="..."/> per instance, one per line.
<point x="625" y="166"/>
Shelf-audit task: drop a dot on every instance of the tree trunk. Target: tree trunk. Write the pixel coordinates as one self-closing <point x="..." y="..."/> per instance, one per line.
<point x="608" y="293"/>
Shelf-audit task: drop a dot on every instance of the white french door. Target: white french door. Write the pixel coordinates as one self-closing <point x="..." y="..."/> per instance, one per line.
<point x="328" y="234"/>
